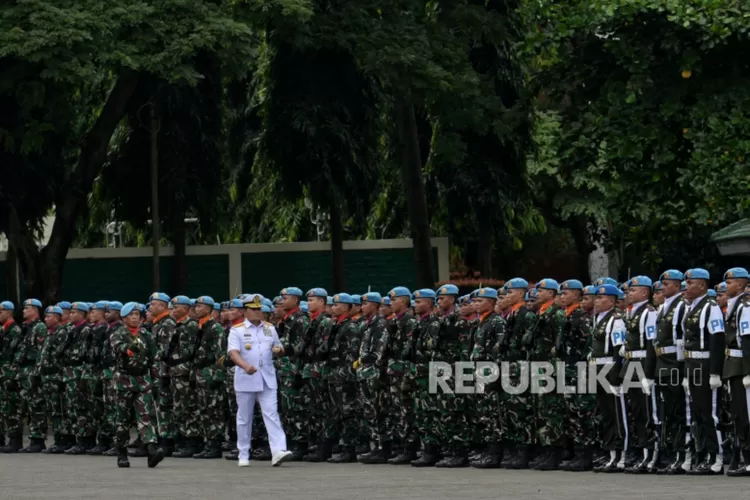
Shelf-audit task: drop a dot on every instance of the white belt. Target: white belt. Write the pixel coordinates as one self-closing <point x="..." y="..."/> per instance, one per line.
<point x="734" y="353"/>
<point x="635" y="354"/>
<point x="670" y="349"/>
<point x="697" y="354"/>
<point x="602" y="361"/>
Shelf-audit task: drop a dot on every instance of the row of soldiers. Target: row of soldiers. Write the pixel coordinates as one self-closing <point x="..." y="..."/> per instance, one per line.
<point x="355" y="375"/>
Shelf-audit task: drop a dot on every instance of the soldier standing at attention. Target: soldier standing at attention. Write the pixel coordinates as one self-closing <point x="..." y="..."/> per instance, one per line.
<point x="10" y="342"/>
<point x="112" y="316"/>
<point x="658" y="298"/>
<point x="236" y="318"/>
<point x="136" y="369"/>
<point x="291" y="330"/>
<point x="78" y="404"/>
<point x="721" y="296"/>
<point x="93" y="376"/>
<point x="385" y="308"/>
<point x="208" y="374"/>
<point x="48" y="369"/>
<point x="163" y="330"/>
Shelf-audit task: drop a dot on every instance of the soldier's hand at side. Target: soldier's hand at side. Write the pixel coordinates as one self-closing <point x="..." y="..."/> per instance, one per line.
<point x="251" y="369"/>
<point x="278" y="350"/>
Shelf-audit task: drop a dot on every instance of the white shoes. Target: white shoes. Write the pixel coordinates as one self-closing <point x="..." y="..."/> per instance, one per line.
<point x="280" y="457"/>
<point x="243" y="463"/>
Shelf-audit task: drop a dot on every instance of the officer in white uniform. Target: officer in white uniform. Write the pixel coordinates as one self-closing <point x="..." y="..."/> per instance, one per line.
<point x="251" y="347"/>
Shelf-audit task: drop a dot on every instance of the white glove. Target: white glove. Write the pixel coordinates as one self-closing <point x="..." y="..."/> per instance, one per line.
<point x="746" y="381"/>
<point x="685" y="384"/>
<point x="647" y="384"/>
<point x="714" y="381"/>
<point x="622" y="351"/>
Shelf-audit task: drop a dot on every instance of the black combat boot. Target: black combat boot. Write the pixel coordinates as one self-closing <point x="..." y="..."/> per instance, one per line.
<point x="122" y="458"/>
<point x="298" y="452"/>
<point x="522" y="459"/>
<point x="136" y="443"/>
<point x="233" y="455"/>
<point x="552" y="462"/>
<point x="654" y="465"/>
<point x="348" y="455"/>
<point x="2" y="440"/>
<point x="104" y="444"/>
<point x="322" y="452"/>
<point x="167" y="445"/>
<point x="56" y="445"/>
<point x="191" y="447"/>
<point x="743" y="467"/>
<point x="490" y="460"/>
<point x="429" y="458"/>
<point x="734" y="463"/>
<point x="541" y="455"/>
<point x="459" y="457"/>
<point x="573" y="461"/>
<point x="14" y="445"/>
<point x="584" y="462"/>
<point x="156" y="455"/>
<point x="262" y="453"/>
<point x="212" y="450"/>
<point x="406" y="457"/>
<point x="379" y="456"/>
<point x="640" y="467"/>
<point x="36" y="445"/>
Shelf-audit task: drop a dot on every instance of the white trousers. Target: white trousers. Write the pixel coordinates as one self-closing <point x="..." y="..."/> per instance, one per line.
<point x="245" y="409"/>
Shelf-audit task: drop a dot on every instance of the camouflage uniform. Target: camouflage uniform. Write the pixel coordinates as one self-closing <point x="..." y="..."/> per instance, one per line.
<point x="109" y="416"/>
<point x="48" y="368"/>
<point x="344" y="345"/>
<point x="32" y="403"/>
<point x="518" y="412"/>
<point x="163" y="330"/>
<point x="12" y="338"/>
<point x="209" y="377"/>
<point x="371" y="374"/>
<point x="401" y="329"/>
<point x="134" y="374"/>
<point x="230" y="400"/>
<point x="179" y="357"/>
<point x="422" y="347"/>
<point x="78" y="404"/>
<point x="294" y="420"/>
<point x="92" y="380"/>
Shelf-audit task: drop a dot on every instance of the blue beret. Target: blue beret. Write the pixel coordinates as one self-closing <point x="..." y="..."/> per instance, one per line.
<point x="33" y="302"/>
<point x="163" y="297"/>
<point x="292" y="290"/>
<point x="205" y="299"/>
<point x="608" y="289"/>
<point x="621" y="295"/>
<point x="192" y="302"/>
<point x="641" y="281"/>
<point x="101" y="305"/>
<point x="589" y="290"/>
<point x="697" y="274"/>
<point x="533" y="293"/>
<point x="356" y="299"/>
<point x="65" y="305"/>
<point x="53" y="310"/>
<point x="502" y="291"/>
<point x="386" y="301"/>
<point x="517" y="283"/>
<point x="277" y="299"/>
<point x="266" y="302"/>
<point x="672" y="274"/>
<point x="80" y="306"/>
<point x="605" y="281"/>
<point x="329" y="301"/>
<point x="317" y="292"/>
<point x="413" y="303"/>
<point x="7" y="305"/>
<point x="447" y="290"/>
<point x="236" y="304"/>
<point x="424" y="293"/>
<point x="129" y="308"/>
<point x="303" y="306"/>
<point x="683" y="286"/>
<point x="464" y="299"/>
<point x="474" y="293"/>
<point x="342" y="298"/>
<point x="399" y="291"/>
<point x="711" y="293"/>
<point x="217" y="306"/>
<point x="721" y="287"/>
<point x="180" y="300"/>
<point x="571" y="285"/>
<point x="141" y="307"/>
<point x="371" y="297"/>
<point x="736" y="273"/>
<point x="658" y="285"/>
<point x="486" y="293"/>
<point x="114" y="306"/>
<point x="548" y="284"/>
<point x="264" y="308"/>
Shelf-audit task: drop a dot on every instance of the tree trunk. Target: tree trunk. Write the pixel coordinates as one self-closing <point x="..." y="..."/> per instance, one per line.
<point x="179" y="263"/>
<point x="13" y="272"/>
<point x="579" y="230"/>
<point x="337" y="248"/>
<point x="411" y="173"/>
<point x="486" y="243"/>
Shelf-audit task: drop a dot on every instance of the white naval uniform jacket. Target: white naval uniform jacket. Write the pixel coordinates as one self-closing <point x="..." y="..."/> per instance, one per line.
<point x="261" y="340"/>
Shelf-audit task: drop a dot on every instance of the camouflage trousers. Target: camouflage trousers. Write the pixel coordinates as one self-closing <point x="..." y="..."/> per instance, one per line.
<point x="210" y="402"/>
<point x="427" y="412"/>
<point x="92" y="384"/>
<point x="488" y="418"/>
<point x="581" y="423"/>
<point x="31" y="404"/>
<point x="109" y="395"/>
<point x="454" y="428"/>
<point x="374" y="400"/>
<point x="165" y="409"/>
<point x="142" y="403"/>
<point x="230" y="405"/>
<point x="77" y="405"/>
<point x="9" y="403"/>
<point x="550" y="415"/>
<point x="294" y="416"/>
<point x="321" y="425"/>
<point x="344" y="410"/>
<point x="401" y="410"/>
<point x="186" y="415"/>
<point x="517" y="419"/>
<point x="52" y="390"/>
<point x="474" y="434"/>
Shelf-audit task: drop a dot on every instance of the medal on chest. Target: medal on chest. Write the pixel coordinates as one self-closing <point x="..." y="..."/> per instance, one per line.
<point x="248" y="346"/>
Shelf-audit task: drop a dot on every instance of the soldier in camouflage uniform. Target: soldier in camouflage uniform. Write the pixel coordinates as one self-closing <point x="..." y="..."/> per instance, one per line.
<point x="293" y="412"/>
<point x="421" y="349"/>
<point x="10" y="340"/>
<point x="107" y="429"/>
<point x="163" y="329"/>
<point x="488" y="337"/>
<point x="208" y="374"/>
<point x="315" y="377"/>
<point x="550" y="407"/>
<point x="179" y="356"/>
<point x="340" y="350"/>
<point x="48" y="368"/>
<point x="371" y="369"/>
<point x="92" y="376"/>
<point x="235" y="317"/>
<point x="581" y="420"/>
<point x="401" y="408"/>
<point x="136" y="369"/>
<point x="518" y="413"/>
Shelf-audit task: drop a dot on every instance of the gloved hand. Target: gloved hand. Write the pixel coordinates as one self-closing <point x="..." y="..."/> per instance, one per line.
<point x="647" y="385"/>
<point x="714" y="381"/>
<point x="746" y="381"/>
<point x="685" y="384"/>
<point x="622" y="351"/>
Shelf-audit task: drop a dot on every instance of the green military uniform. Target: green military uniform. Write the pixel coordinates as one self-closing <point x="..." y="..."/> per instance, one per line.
<point x="208" y="373"/>
<point x="31" y="397"/>
<point x="92" y="379"/>
<point x="163" y="329"/>
<point x="109" y="418"/>
<point x="48" y="368"/>
<point x="78" y="405"/>
<point x="12" y="337"/>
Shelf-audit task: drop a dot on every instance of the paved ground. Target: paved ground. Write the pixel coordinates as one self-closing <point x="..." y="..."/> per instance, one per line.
<point x="42" y="476"/>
